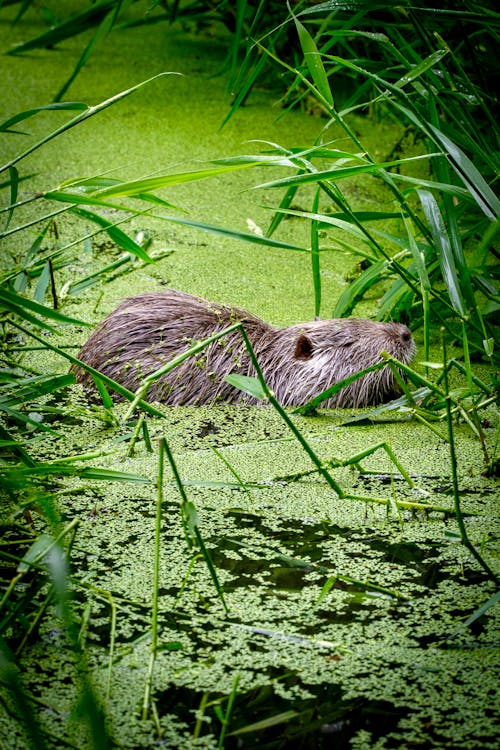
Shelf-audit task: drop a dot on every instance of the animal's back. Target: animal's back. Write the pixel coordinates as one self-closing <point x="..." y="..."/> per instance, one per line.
<point x="145" y="332"/>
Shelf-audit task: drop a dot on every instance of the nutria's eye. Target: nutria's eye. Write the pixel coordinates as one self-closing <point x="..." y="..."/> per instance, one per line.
<point x="406" y="336"/>
<point x="303" y="348"/>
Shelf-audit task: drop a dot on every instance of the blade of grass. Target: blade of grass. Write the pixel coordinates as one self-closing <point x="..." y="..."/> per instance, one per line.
<point x="88" y="706"/>
<point x="144" y="185"/>
<point x="89" y="186"/>
<point x="34" y="388"/>
<point x="226" y="716"/>
<point x="75" y="25"/>
<point x="354" y="292"/>
<point x="23" y="307"/>
<point x="112" y="384"/>
<point x="43" y="283"/>
<point x="14" y="184"/>
<point x="444" y="250"/>
<point x="470" y="175"/>
<point x="116" y="234"/>
<point x="88" y="111"/>
<point x="10" y="678"/>
<point x="315" y="252"/>
<point x="425" y="284"/>
<point x="156" y="584"/>
<point x="232" y="234"/>
<point x="6" y="125"/>
<point x="59" y="468"/>
<point x="313" y="61"/>
<point x="491" y="602"/>
<point x="338" y="173"/>
<point x="454" y="476"/>
<point x="191" y="524"/>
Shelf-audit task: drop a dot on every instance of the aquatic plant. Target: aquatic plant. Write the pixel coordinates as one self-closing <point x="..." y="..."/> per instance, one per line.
<point x="418" y="66"/>
<point x="321" y="645"/>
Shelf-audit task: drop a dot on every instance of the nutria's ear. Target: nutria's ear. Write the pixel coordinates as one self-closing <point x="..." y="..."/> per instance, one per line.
<point x="303" y="347"/>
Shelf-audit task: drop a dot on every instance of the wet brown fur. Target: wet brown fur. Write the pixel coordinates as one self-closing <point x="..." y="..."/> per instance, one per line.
<point x="145" y="332"/>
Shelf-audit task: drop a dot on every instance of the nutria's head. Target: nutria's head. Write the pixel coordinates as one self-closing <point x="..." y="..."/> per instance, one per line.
<point x="324" y="352"/>
<point x="355" y="340"/>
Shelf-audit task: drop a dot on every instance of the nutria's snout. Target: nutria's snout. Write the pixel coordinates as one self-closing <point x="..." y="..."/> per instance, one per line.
<point x="145" y="332"/>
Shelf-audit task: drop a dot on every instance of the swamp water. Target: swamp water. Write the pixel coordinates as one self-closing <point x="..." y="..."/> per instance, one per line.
<point x="346" y="622"/>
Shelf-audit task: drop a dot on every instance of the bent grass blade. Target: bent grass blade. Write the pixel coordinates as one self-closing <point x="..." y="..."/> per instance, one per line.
<point x="88" y="111"/>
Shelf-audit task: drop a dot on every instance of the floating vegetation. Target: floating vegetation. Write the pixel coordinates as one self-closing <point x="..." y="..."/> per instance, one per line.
<point x="238" y="576"/>
<point x="320" y="591"/>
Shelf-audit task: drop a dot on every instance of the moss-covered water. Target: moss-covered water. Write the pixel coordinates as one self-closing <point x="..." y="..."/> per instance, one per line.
<point x="347" y="615"/>
<point x="348" y="620"/>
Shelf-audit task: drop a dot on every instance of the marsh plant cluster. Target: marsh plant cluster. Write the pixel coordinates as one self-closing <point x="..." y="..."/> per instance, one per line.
<point x="254" y="577"/>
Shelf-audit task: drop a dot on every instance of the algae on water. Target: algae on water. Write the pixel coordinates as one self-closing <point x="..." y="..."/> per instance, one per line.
<point x="351" y="623"/>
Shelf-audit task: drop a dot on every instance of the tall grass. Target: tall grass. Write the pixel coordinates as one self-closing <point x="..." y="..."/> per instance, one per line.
<point x="427" y="69"/>
<point x="417" y="67"/>
<point x="243" y="20"/>
<point x="31" y="307"/>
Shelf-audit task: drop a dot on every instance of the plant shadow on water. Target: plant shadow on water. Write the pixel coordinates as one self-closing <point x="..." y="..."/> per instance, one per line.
<point x="322" y="721"/>
<point x="363" y="629"/>
<point x="420" y="562"/>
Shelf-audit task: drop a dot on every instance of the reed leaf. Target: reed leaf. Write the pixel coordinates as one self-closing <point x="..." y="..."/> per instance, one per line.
<point x="43" y="283"/>
<point x="75" y="25"/>
<point x="337" y="173"/>
<point x="233" y="234"/>
<point x="14" y="185"/>
<point x="247" y="384"/>
<point x="418" y="70"/>
<point x="315" y="255"/>
<point x="351" y="296"/>
<point x="190" y="522"/>
<point x="89" y="185"/>
<point x="144" y="185"/>
<point x="70" y="470"/>
<point x="25" y="419"/>
<point x="314" y="63"/>
<point x="88" y="111"/>
<point x="10" y="679"/>
<point x="35" y="387"/>
<point x="443" y="247"/>
<point x="101" y="32"/>
<point x="115" y="233"/>
<point x="23" y="307"/>
<point x="6" y="125"/>
<point x="469" y="174"/>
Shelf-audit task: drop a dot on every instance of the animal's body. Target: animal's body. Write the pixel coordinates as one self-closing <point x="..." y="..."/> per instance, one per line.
<point x="145" y="332"/>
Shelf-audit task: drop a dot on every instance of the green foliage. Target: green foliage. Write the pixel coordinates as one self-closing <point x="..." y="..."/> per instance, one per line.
<point x="420" y="66"/>
<point x="431" y="69"/>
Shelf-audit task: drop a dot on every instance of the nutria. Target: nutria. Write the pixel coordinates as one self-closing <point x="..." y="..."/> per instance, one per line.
<point x="145" y="332"/>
